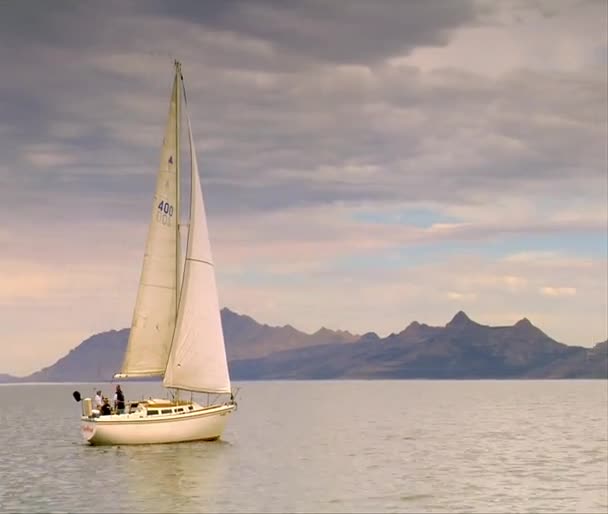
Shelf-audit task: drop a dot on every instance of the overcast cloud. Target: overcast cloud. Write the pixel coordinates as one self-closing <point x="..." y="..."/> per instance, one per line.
<point x="365" y="164"/>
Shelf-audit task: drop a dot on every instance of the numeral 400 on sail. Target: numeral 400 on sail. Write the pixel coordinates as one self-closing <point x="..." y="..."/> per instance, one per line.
<point x="164" y="213"/>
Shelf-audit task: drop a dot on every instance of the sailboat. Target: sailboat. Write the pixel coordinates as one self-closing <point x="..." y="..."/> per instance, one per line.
<point x="176" y="330"/>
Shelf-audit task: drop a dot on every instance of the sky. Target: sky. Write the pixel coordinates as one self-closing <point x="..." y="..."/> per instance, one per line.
<point x="365" y="164"/>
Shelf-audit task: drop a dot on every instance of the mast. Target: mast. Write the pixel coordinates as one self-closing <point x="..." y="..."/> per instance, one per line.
<point x="178" y="270"/>
<point x="178" y="83"/>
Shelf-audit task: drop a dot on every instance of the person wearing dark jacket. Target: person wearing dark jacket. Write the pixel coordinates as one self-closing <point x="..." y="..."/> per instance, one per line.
<point x="105" y="408"/>
<point x="119" y="400"/>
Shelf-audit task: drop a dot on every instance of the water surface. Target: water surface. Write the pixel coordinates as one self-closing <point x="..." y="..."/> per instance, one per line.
<point x="324" y="446"/>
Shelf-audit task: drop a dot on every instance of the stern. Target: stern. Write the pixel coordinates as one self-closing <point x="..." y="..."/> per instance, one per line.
<point x="88" y="429"/>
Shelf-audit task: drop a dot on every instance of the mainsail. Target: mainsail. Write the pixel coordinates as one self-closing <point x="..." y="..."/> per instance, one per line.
<point x="197" y="361"/>
<point x="154" y="315"/>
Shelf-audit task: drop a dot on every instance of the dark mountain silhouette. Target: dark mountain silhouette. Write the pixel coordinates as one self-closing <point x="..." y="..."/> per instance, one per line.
<point x="246" y="339"/>
<point x="462" y="349"/>
<point x="583" y="363"/>
<point x="99" y="356"/>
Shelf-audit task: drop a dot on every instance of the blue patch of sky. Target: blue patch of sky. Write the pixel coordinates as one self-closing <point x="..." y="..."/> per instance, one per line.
<point x="582" y="245"/>
<point x="573" y="243"/>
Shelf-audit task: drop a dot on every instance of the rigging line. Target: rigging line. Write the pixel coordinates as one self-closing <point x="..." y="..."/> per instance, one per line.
<point x="157" y="285"/>
<point x="181" y="75"/>
<point x="199" y="260"/>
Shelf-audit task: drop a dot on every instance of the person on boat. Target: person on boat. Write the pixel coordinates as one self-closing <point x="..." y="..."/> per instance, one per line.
<point x="98" y="400"/>
<point x="119" y="400"/>
<point x="106" y="410"/>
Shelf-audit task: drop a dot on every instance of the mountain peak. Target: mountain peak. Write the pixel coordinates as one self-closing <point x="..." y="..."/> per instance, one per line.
<point x="414" y="328"/>
<point x="327" y="334"/>
<point x="524" y="326"/>
<point x="459" y="320"/>
<point x="523" y="323"/>
<point x="369" y="337"/>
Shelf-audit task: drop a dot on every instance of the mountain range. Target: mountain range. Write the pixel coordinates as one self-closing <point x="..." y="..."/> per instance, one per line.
<point x="462" y="349"/>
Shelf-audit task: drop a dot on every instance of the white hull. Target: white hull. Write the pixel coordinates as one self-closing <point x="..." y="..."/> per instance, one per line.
<point x="200" y="424"/>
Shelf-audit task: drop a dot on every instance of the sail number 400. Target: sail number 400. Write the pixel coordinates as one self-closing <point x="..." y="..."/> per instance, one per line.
<point x="164" y="213"/>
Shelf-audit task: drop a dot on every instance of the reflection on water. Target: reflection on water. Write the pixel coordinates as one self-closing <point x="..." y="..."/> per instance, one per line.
<point x="350" y="446"/>
<point x="182" y="477"/>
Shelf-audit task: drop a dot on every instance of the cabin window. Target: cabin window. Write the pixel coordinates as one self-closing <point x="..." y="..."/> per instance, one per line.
<point x="166" y="411"/>
<point x="190" y="408"/>
<point x="152" y="412"/>
<point x="180" y="409"/>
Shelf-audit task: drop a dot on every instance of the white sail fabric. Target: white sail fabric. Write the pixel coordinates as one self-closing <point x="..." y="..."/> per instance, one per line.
<point x="156" y="305"/>
<point x="197" y="361"/>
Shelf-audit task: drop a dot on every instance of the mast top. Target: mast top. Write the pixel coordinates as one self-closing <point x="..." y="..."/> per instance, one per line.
<point x="178" y="69"/>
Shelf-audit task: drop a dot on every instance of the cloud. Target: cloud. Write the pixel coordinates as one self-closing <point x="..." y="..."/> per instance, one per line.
<point x="329" y="131"/>
<point x="521" y="35"/>
<point x="461" y="297"/>
<point x="550" y="260"/>
<point x="318" y="30"/>
<point x="25" y="286"/>
<point x="558" y="291"/>
<point x="48" y="156"/>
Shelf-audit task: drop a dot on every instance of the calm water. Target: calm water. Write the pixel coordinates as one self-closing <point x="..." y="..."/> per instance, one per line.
<point x="351" y="446"/>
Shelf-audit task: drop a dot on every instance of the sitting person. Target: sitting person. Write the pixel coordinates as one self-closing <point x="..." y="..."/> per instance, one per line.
<point x="106" y="410"/>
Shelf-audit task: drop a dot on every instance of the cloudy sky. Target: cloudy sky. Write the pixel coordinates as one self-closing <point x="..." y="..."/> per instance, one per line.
<point x="365" y="163"/>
